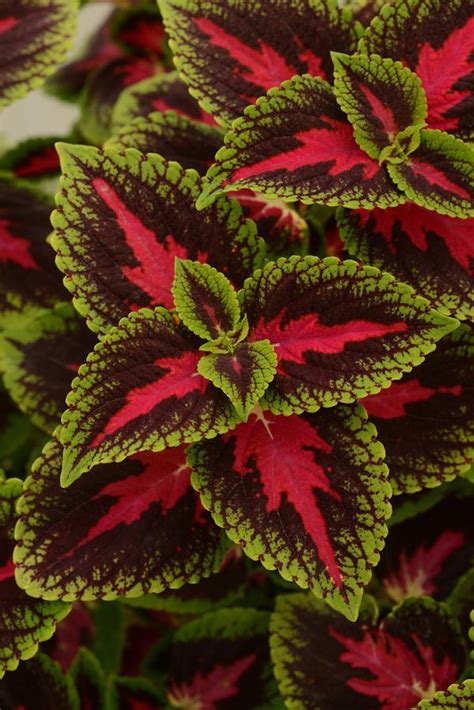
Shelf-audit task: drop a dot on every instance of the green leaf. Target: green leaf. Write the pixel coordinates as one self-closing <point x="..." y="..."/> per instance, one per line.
<point x="459" y="696"/>
<point x="205" y="300"/>
<point x="242" y="375"/>
<point x="35" y="37"/>
<point x="439" y="175"/>
<point x="109" y="634"/>
<point x="384" y="101"/>
<point x="139" y="390"/>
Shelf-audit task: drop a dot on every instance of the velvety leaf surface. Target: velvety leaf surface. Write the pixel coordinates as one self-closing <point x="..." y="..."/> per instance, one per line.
<point x="243" y="375"/>
<point x="102" y="91"/>
<point x="436" y="40"/>
<point x="307" y="496"/>
<point x="32" y="159"/>
<point x="140" y="215"/>
<point x="204" y="299"/>
<point x="340" y="330"/>
<point x="231" y="52"/>
<point x="322" y="660"/>
<point x="426" y="421"/>
<point x="38" y="684"/>
<point x="430" y="251"/>
<point x="24" y="622"/>
<point x="89" y="680"/>
<point x="384" y="102"/>
<point x="427" y="554"/>
<point x="296" y="143"/>
<point x="162" y="92"/>
<point x="139" y="390"/>
<point x="123" y="530"/>
<point x="43" y="353"/>
<point x="27" y="269"/>
<point x="459" y="696"/>
<point x="35" y="36"/>
<point x="175" y="137"/>
<point x="439" y="175"/>
<point x="221" y="660"/>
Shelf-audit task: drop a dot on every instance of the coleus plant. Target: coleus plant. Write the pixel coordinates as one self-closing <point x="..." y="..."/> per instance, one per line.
<point x="227" y="412"/>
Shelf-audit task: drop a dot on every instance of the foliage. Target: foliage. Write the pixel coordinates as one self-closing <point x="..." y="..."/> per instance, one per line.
<point x="236" y="409"/>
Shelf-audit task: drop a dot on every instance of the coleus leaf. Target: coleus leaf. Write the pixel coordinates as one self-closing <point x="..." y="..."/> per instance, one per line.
<point x="139" y="30"/>
<point x="322" y="660"/>
<point x="27" y="269"/>
<point x="102" y="91"/>
<point x="18" y="438"/>
<point x="222" y="660"/>
<point x="439" y="175"/>
<point x="124" y="530"/>
<point x="459" y="696"/>
<point x="141" y="214"/>
<point x="305" y="495"/>
<point x="204" y="299"/>
<point x="426" y="421"/>
<point x="69" y="80"/>
<point x="162" y="92"/>
<point x="430" y="251"/>
<point x="44" y="352"/>
<point x="24" y="622"/>
<point x="365" y="10"/>
<point x="35" y="36"/>
<point x="110" y="631"/>
<point x="385" y="103"/>
<point x="284" y="230"/>
<point x="242" y="375"/>
<point x="434" y="39"/>
<point x="175" y="137"/>
<point x="89" y="680"/>
<point x="296" y="144"/>
<point x="33" y="159"/>
<point x="38" y="684"/>
<point x="225" y="588"/>
<point x="427" y="554"/>
<point x="229" y="52"/>
<point x="340" y="330"/>
<point x="139" y="390"/>
<point x="134" y="693"/>
<point x="75" y="631"/>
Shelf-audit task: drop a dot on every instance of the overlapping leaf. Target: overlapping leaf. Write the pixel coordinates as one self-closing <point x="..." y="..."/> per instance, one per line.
<point x="322" y="660"/>
<point x="175" y="137"/>
<point x="35" y="36"/>
<point x="27" y="269"/>
<point x="38" y="684"/>
<point x="103" y="90"/>
<point x="162" y="92"/>
<point x="296" y="143"/>
<point x="439" y="175"/>
<point x="41" y="355"/>
<point x="139" y="30"/>
<point x="229" y="53"/>
<point x="24" y="622"/>
<point x="426" y="421"/>
<point x="340" y="330"/>
<point x="123" y="530"/>
<point x="432" y="252"/>
<point x="123" y="217"/>
<point x="305" y="495"/>
<point x="427" y="554"/>
<point x="459" y="696"/>
<point x="32" y="159"/>
<point x="436" y="40"/>
<point x="384" y="102"/>
<point x="222" y="660"/>
<point x="139" y="390"/>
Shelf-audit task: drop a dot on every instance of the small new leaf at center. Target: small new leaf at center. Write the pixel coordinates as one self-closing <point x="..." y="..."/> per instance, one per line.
<point x="205" y="300"/>
<point x="384" y="101"/>
<point x="243" y="375"/>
